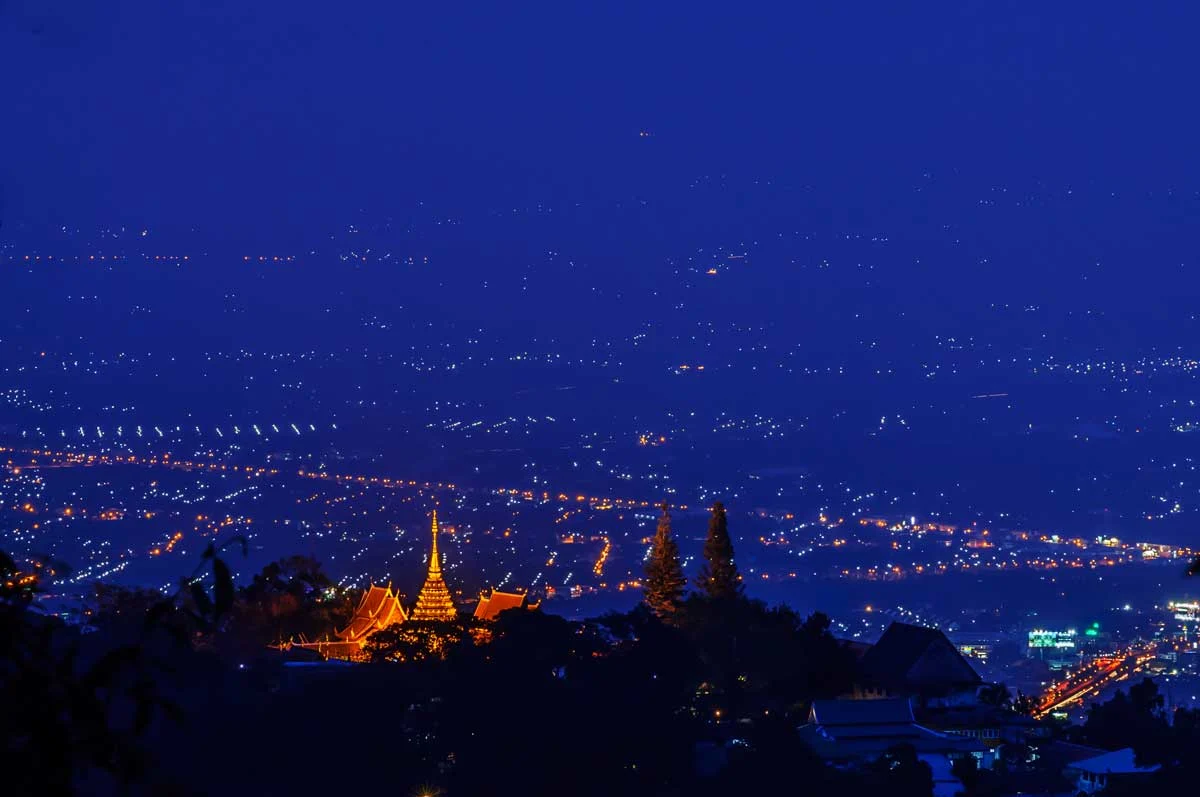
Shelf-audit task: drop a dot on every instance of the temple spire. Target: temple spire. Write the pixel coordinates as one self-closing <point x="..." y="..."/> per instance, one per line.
<point x="433" y="602"/>
<point x="435" y="561"/>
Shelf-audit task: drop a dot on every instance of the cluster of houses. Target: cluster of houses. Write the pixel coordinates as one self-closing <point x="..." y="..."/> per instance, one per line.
<point x="914" y="688"/>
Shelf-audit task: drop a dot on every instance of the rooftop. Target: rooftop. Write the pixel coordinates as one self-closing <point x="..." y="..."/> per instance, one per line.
<point x="1118" y="762"/>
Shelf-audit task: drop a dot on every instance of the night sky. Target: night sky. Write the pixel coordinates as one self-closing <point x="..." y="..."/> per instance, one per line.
<point x="278" y="116"/>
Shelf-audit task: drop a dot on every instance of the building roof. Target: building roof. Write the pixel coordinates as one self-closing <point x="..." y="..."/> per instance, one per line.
<point x="1063" y="753"/>
<point x="490" y="606"/>
<point x="917" y="657"/>
<point x="1118" y="762"/>
<point x="860" y="712"/>
<point x="866" y="729"/>
<point x="901" y="645"/>
<point x="379" y="608"/>
<point x="349" y="651"/>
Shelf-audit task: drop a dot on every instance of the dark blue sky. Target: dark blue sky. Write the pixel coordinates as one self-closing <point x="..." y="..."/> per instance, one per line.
<point x="278" y="115"/>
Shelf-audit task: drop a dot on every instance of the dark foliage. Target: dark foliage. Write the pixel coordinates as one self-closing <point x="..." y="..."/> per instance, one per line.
<point x="77" y="709"/>
<point x="899" y="773"/>
<point x="1130" y="719"/>
<point x="120" y="612"/>
<point x="1174" y="749"/>
<point x="978" y="782"/>
<point x="289" y="599"/>
<point x="719" y="577"/>
<point x="757" y="658"/>
<point x="415" y="641"/>
<point x="665" y="581"/>
<point x="771" y="755"/>
<point x="531" y="704"/>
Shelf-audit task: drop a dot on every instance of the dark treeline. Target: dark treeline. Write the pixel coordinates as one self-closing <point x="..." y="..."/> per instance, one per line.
<point x="1138" y="718"/>
<point x="184" y="695"/>
<point x="690" y="693"/>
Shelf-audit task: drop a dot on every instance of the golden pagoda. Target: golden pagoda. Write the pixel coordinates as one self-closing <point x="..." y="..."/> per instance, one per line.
<point x="433" y="602"/>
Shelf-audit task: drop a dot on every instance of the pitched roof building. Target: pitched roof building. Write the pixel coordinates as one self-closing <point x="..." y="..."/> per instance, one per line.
<point x="857" y="732"/>
<point x="1095" y="774"/>
<point x="379" y="608"/>
<point x="490" y="606"/>
<point x="849" y="730"/>
<point x="911" y="660"/>
<point x="433" y="602"/>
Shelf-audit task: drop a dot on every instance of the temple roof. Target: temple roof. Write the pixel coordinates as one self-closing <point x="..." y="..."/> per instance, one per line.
<point x="350" y="651"/>
<point x="379" y="608"/>
<point x="490" y="606"/>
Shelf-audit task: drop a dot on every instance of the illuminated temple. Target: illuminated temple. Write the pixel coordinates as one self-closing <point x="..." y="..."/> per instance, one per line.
<point x="433" y="602"/>
<point x="380" y="608"/>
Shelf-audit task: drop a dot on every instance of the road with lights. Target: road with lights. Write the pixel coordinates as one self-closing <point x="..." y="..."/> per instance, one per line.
<point x="1099" y="674"/>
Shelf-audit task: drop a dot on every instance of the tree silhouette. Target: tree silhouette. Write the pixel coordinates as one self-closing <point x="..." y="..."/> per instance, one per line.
<point x="418" y="640"/>
<point x="120" y="611"/>
<point x="77" y="713"/>
<point x="755" y="657"/>
<point x="664" y="573"/>
<point x="289" y="598"/>
<point x="641" y="697"/>
<point x="899" y="772"/>
<point x="719" y="577"/>
<point x="1128" y="719"/>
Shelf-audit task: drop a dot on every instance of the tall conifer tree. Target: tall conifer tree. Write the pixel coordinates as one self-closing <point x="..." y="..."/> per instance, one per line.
<point x="719" y="576"/>
<point x="664" y="573"/>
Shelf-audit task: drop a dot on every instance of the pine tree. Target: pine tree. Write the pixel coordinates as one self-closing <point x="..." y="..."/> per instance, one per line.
<point x="719" y="576"/>
<point x="664" y="573"/>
